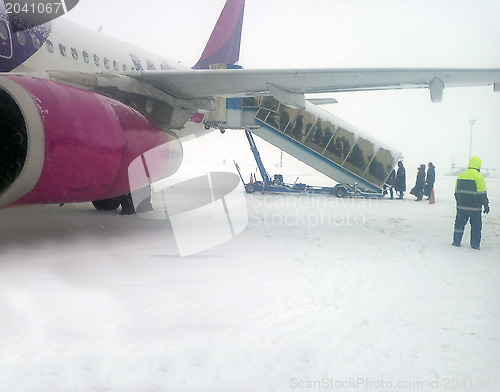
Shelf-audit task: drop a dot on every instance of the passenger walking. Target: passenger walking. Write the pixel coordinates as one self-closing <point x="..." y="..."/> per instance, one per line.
<point x="418" y="189"/>
<point x="471" y="197"/>
<point x="430" y="180"/>
<point x="400" y="183"/>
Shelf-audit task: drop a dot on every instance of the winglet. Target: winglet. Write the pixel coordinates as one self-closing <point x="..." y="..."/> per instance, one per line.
<point x="223" y="47"/>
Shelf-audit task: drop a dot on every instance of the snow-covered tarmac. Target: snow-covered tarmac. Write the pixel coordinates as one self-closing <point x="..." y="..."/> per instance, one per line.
<point x="316" y="293"/>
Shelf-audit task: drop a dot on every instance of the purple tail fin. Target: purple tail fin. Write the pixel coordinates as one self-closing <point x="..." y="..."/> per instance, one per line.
<point x="223" y="47"/>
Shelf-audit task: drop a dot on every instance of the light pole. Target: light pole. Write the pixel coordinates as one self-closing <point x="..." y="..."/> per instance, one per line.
<point x="471" y="122"/>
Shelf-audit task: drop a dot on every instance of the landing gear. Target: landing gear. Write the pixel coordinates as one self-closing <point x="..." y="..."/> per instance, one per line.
<point x="127" y="202"/>
<point x="107" y="204"/>
<point x="128" y="207"/>
<point x="112" y="204"/>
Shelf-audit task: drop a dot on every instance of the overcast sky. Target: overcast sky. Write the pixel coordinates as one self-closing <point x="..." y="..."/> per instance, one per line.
<point x="347" y="33"/>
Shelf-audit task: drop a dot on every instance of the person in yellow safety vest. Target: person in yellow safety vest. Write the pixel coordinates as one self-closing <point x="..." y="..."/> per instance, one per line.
<point x="470" y="195"/>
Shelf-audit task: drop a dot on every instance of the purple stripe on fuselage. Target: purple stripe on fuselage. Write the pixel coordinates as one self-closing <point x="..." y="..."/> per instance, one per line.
<point x="16" y="48"/>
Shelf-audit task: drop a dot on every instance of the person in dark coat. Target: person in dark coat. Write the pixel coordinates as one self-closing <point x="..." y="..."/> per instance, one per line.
<point x="418" y="189"/>
<point x="400" y="183"/>
<point x="429" y="180"/>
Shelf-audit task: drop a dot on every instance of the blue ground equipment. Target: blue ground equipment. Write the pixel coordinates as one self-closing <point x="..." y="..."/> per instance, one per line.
<point x="276" y="184"/>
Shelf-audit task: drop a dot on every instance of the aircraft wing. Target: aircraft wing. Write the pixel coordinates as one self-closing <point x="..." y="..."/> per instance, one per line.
<point x="246" y="82"/>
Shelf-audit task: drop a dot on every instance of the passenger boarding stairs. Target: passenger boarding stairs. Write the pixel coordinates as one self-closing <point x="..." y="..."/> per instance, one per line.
<point x="313" y="136"/>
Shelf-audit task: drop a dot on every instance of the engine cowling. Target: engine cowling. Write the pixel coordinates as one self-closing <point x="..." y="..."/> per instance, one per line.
<point x="62" y="144"/>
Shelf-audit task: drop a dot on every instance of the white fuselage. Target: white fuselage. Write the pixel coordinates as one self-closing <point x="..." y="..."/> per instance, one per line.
<point x="73" y="47"/>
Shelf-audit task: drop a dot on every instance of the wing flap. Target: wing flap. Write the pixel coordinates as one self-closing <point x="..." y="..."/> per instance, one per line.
<point x="245" y="82"/>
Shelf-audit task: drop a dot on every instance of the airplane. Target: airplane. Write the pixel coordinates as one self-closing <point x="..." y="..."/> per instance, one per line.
<point x="77" y="107"/>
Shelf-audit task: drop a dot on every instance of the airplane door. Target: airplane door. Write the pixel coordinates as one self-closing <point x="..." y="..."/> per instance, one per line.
<point x="5" y="40"/>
